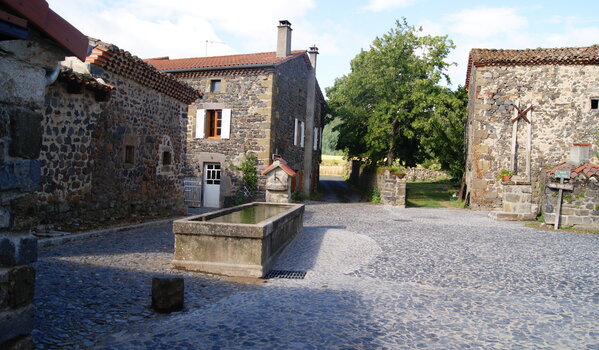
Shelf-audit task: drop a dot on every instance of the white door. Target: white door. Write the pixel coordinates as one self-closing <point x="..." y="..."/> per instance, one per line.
<point x="212" y="185"/>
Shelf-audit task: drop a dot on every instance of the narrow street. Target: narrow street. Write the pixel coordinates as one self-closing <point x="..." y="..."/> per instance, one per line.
<point x="377" y="277"/>
<point x="336" y="190"/>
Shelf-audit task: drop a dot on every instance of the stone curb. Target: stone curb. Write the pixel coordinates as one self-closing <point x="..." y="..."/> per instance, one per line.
<point x="48" y="242"/>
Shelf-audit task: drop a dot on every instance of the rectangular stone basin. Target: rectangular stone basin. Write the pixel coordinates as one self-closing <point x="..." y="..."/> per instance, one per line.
<point x="241" y="241"/>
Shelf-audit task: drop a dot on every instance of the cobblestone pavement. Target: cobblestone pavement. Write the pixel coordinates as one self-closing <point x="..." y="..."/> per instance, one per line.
<point x="378" y="277"/>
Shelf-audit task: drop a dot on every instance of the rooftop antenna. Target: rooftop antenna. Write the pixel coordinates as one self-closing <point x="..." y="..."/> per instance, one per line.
<point x="211" y="42"/>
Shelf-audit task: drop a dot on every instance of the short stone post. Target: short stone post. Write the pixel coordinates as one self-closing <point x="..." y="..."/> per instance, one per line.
<point x="167" y="294"/>
<point x="278" y="181"/>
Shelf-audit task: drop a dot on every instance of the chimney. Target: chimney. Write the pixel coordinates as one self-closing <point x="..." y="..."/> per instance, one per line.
<point x="313" y="52"/>
<point x="579" y="154"/>
<point x="284" y="39"/>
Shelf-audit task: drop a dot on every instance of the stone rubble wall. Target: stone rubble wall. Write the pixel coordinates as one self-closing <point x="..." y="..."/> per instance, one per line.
<point x="579" y="207"/>
<point x="560" y="96"/>
<point x="391" y="187"/>
<point x="23" y="67"/>
<point x="517" y="198"/>
<point x="85" y="179"/>
<point x="250" y="100"/>
<point x="425" y="175"/>
<point x="264" y="105"/>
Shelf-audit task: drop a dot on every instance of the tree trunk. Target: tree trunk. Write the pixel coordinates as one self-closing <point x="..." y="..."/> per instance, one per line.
<point x="391" y="152"/>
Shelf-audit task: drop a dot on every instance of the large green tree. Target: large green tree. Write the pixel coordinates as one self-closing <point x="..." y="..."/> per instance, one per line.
<point x="390" y="92"/>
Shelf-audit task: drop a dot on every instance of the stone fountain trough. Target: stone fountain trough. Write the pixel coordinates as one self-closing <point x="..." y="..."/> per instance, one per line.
<point x="243" y="241"/>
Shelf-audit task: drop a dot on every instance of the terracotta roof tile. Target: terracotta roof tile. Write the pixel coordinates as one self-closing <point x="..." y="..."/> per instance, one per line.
<point x="119" y="61"/>
<point x="587" y="169"/>
<point x="262" y="58"/>
<point x="588" y="55"/>
<point x="89" y="82"/>
<point x="279" y="163"/>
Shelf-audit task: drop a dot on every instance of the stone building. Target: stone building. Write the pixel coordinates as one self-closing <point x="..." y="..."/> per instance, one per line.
<point x="113" y="144"/>
<point x="526" y="108"/>
<point x="33" y="39"/>
<point x="265" y="103"/>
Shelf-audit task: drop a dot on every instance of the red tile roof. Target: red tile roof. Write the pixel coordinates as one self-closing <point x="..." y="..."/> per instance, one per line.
<point x="39" y="14"/>
<point x="587" y="169"/>
<point x="119" y="61"/>
<point x="237" y="61"/>
<point x="89" y="82"/>
<point x="279" y="163"/>
<point x="588" y="55"/>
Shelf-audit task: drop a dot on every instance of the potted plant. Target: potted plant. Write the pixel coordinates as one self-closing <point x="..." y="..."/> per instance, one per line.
<point x="505" y="175"/>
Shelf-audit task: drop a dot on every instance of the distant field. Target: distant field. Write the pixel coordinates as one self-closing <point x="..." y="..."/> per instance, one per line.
<point x="332" y="165"/>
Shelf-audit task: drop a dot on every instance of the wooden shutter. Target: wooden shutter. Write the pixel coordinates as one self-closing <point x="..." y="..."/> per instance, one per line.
<point x="295" y="132"/>
<point x="225" y="130"/>
<point x="200" y="120"/>
<point x="303" y="125"/>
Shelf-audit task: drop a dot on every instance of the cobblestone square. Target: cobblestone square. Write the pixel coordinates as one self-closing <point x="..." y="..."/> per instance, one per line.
<point x="377" y="277"/>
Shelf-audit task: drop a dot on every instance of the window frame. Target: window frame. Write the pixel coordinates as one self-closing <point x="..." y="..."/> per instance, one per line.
<point x="213" y="130"/>
<point x="596" y="100"/>
<point x="213" y="84"/>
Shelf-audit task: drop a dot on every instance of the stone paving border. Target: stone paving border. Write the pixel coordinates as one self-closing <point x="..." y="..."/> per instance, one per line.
<point x="52" y="241"/>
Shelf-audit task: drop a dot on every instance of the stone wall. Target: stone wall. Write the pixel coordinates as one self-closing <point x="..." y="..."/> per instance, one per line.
<point x="579" y="207"/>
<point x="560" y="96"/>
<point x="264" y="104"/>
<point x="86" y="180"/>
<point x="425" y="175"/>
<point x="249" y="96"/>
<point x="23" y="67"/>
<point x="290" y="104"/>
<point x="391" y="186"/>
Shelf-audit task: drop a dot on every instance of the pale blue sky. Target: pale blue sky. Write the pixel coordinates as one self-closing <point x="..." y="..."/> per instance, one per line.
<point x="180" y="28"/>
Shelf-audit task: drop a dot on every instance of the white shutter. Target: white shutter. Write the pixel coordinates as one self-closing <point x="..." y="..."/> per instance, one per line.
<point x="295" y="131"/>
<point x="315" y="144"/>
<point x="225" y="130"/>
<point x="302" y="134"/>
<point x="200" y="119"/>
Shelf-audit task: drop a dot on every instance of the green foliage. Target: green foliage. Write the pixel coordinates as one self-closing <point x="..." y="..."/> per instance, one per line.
<point x="597" y="207"/>
<point x="298" y="196"/>
<point x="504" y="172"/>
<point x="330" y="136"/>
<point x="391" y="108"/>
<point x="249" y="177"/>
<point x="375" y="196"/>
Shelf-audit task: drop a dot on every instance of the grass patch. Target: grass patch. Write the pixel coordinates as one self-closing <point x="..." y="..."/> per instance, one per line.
<point x="432" y="195"/>
<point x="572" y="229"/>
<point x="331" y="160"/>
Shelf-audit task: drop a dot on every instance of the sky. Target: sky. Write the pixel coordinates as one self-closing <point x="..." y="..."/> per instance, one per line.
<point x="339" y="28"/>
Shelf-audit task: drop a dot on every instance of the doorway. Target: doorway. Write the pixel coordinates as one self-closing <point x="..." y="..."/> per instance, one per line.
<point x="212" y="172"/>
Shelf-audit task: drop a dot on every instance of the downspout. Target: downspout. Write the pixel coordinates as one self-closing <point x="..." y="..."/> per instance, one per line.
<point x="53" y="75"/>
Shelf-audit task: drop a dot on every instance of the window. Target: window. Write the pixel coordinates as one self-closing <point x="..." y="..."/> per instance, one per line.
<point x="214" y="123"/>
<point x="298" y="133"/>
<point x="129" y="154"/>
<point x="166" y="158"/>
<point x="595" y="103"/>
<point x="315" y="143"/>
<point x="215" y="85"/>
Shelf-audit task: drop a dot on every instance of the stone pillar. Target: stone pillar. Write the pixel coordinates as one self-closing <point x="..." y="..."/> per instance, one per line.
<point x="24" y="65"/>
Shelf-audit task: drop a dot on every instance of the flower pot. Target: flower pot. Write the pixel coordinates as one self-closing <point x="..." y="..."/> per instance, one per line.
<point x="506" y="178"/>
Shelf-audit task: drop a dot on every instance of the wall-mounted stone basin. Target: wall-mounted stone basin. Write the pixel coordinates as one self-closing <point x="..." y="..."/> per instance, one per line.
<point x="241" y="241"/>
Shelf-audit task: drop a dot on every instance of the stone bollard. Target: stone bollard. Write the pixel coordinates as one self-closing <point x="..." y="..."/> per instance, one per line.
<point x="167" y="294"/>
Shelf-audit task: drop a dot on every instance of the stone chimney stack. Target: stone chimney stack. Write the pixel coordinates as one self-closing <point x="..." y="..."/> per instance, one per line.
<point x="284" y="39"/>
<point x="313" y="52"/>
<point x="579" y="154"/>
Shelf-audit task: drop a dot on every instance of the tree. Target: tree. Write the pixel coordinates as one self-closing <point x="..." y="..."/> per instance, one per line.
<point x="388" y="93"/>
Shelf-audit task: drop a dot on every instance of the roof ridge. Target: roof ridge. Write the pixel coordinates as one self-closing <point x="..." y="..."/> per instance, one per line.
<point x="293" y="53"/>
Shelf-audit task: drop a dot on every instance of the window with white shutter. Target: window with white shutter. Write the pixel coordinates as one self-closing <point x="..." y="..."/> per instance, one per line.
<point x="315" y="142"/>
<point x="302" y="131"/>
<point x="200" y="119"/>
<point x="226" y="124"/>
<point x="296" y="139"/>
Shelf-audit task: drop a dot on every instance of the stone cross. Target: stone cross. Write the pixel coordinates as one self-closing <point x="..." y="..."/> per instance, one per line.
<point x="526" y="115"/>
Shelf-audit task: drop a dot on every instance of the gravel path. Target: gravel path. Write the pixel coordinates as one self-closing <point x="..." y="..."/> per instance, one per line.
<point x="378" y="277"/>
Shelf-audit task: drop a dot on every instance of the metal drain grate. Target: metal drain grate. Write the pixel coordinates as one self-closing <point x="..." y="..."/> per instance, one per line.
<point x="294" y="275"/>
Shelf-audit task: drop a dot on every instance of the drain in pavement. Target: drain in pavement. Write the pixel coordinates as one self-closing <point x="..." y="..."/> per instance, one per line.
<point x="294" y="275"/>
